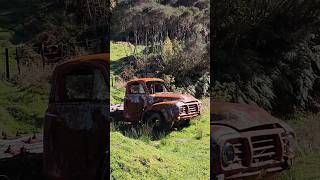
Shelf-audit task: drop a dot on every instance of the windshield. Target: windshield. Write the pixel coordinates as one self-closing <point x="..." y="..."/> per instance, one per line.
<point x="156" y="87"/>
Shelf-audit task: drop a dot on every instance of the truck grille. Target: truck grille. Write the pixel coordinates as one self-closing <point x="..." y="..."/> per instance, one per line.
<point x="264" y="148"/>
<point x="193" y="108"/>
<point x="258" y="148"/>
<point x="189" y="109"/>
<point x="238" y="150"/>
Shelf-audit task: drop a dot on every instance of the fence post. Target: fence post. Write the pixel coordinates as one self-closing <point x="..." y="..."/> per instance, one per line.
<point x="7" y="63"/>
<point x="18" y="60"/>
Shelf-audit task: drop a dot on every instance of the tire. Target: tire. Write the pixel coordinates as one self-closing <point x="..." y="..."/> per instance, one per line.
<point x="156" y="122"/>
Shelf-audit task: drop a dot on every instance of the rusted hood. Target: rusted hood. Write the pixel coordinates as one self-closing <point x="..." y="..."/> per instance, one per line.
<point x="240" y="116"/>
<point x="173" y="97"/>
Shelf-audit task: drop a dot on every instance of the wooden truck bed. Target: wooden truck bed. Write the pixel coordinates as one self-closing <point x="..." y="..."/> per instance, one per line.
<point x="21" y="157"/>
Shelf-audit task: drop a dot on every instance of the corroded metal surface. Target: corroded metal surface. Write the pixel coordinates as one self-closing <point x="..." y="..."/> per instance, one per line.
<point x="139" y="106"/>
<point x="259" y="140"/>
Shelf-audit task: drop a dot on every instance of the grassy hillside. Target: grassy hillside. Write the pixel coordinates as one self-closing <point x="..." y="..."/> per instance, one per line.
<point x="119" y="50"/>
<point x="21" y="108"/>
<point x="181" y="154"/>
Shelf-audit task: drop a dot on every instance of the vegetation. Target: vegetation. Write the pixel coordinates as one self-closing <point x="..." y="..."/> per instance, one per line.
<point x="268" y="49"/>
<point x="176" y="44"/>
<point x="306" y="163"/>
<point x="22" y="108"/>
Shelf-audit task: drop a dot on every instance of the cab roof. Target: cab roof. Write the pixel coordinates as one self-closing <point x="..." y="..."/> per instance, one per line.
<point x="105" y="57"/>
<point x="145" y="80"/>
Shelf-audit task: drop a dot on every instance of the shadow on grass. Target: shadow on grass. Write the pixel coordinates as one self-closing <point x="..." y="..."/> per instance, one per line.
<point x="144" y="132"/>
<point x="118" y="66"/>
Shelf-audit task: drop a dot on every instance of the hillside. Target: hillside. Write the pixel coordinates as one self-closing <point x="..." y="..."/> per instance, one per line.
<point x="21" y="109"/>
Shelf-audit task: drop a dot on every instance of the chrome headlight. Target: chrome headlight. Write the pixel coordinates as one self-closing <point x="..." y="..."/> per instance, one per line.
<point x="227" y="154"/>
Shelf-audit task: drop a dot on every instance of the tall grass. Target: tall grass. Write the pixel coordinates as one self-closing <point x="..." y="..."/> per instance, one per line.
<point x="307" y="162"/>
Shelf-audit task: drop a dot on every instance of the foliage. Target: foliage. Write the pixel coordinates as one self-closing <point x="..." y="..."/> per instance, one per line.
<point x="268" y="50"/>
<point x="167" y="49"/>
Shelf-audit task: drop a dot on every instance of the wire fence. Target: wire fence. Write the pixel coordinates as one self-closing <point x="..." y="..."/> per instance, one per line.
<point x="12" y="58"/>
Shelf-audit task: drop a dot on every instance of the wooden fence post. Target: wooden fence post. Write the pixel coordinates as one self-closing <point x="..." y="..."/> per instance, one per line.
<point x="18" y="60"/>
<point x="7" y="63"/>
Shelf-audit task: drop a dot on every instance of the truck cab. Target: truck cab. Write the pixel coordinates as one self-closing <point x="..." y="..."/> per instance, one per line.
<point x="149" y="100"/>
<point x="76" y="128"/>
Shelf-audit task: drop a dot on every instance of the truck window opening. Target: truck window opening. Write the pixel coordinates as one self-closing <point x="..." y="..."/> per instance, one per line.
<point x="156" y="87"/>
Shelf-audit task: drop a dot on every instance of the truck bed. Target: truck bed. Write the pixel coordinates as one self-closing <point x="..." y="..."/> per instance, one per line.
<point x="116" y="112"/>
<point x="21" y="157"/>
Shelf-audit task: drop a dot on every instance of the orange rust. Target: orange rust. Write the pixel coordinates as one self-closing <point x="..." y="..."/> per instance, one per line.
<point x="139" y="107"/>
<point x="94" y="57"/>
<point x="145" y="80"/>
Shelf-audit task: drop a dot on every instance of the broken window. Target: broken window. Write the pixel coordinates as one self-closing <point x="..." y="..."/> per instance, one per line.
<point x="85" y="86"/>
<point x="136" y="89"/>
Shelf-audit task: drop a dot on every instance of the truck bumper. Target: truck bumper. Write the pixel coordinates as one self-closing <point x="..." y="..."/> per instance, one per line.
<point x="264" y="173"/>
<point x="188" y="116"/>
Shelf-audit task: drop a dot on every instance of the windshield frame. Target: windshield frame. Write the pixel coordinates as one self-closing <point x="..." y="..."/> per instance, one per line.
<point x="148" y="83"/>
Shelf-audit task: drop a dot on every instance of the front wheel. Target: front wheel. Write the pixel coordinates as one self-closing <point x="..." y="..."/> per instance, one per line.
<point x="156" y="122"/>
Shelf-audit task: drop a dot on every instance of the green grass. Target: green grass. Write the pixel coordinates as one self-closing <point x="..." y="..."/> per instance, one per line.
<point x="119" y="50"/>
<point x="21" y="109"/>
<point x="181" y="154"/>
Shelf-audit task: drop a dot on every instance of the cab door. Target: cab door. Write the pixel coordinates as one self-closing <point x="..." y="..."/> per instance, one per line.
<point x="76" y="131"/>
<point x="134" y="101"/>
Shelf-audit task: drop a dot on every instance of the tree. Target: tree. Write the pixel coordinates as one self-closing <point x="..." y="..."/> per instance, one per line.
<point x="167" y="49"/>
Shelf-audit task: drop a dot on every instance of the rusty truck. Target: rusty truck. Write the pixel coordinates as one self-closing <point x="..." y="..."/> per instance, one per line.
<point x="248" y="143"/>
<point x="74" y="142"/>
<point x="149" y="101"/>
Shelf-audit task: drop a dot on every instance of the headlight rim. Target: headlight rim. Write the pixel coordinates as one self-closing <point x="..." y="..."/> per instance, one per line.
<point x="227" y="160"/>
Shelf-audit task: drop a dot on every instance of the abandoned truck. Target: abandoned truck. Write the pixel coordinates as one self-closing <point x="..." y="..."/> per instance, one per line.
<point x="148" y="101"/>
<point x="247" y="142"/>
<point x="76" y="127"/>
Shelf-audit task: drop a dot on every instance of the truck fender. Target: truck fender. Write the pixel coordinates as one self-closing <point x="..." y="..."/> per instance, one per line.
<point x="168" y="110"/>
